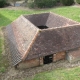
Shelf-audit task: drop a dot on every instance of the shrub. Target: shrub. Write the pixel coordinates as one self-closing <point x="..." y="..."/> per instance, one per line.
<point x="58" y="0"/>
<point x="2" y="3"/>
<point x="45" y="3"/>
<point x="67" y="2"/>
<point x="78" y="1"/>
<point x="31" y="5"/>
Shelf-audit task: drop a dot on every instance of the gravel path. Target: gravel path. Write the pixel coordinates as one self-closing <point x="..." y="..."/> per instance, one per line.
<point x="13" y="74"/>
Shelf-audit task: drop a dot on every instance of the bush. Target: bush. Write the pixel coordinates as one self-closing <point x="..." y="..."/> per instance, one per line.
<point x="78" y="1"/>
<point x="58" y="0"/>
<point x="31" y="5"/>
<point x="67" y="2"/>
<point x="2" y="3"/>
<point x="45" y="3"/>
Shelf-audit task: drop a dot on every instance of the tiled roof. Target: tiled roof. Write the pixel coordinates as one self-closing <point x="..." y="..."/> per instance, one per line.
<point x="51" y="41"/>
<point x="15" y="54"/>
<point x="38" y="19"/>
<point x="27" y="41"/>
<point x="20" y="34"/>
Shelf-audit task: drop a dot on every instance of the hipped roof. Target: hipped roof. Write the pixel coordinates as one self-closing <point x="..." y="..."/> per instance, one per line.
<point x="27" y="41"/>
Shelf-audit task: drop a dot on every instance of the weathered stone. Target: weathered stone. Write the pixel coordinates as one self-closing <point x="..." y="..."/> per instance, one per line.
<point x="32" y="37"/>
<point x="41" y="60"/>
<point x="73" y="56"/>
<point x="58" y="56"/>
<point x="28" y="64"/>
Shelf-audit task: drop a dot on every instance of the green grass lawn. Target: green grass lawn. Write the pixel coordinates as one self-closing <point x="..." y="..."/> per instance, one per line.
<point x="7" y="16"/>
<point x="59" y="74"/>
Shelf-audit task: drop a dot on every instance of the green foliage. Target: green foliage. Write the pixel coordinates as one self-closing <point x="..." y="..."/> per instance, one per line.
<point x="7" y="16"/>
<point x="3" y="59"/>
<point x="31" y="5"/>
<point x="58" y="0"/>
<point x="2" y="3"/>
<point x="67" y="2"/>
<point x="59" y="74"/>
<point x="45" y="3"/>
<point x="78" y="1"/>
<point x="2" y="69"/>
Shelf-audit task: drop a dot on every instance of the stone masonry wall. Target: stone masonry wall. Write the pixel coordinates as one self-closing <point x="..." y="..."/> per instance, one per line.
<point x="29" y="63"/>
<point x="59" y="56"/>
<point x="73" y="55"/>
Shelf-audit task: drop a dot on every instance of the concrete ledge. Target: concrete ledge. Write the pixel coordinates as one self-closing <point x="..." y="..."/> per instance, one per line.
<point x="73" y="56"/>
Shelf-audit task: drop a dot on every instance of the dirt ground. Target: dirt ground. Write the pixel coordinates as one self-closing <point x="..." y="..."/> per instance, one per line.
<point x="20" y="74"/>
<point x="16" y="74"/>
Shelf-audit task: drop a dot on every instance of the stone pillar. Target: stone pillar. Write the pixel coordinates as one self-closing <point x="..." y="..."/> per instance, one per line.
<point x="41" y="60"/>
<point x="73" y="56"/>
<point x="54" y="57"/>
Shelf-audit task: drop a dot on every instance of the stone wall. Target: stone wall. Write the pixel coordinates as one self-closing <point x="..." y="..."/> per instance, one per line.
<point x="39" y="61"/>
<point x="59" y="56"/>
<point x="73" y="55"/>
<point x="29" y="63"/>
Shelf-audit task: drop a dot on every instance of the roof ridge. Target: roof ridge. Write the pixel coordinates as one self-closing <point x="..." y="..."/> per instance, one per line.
<point x="26" y="52"/>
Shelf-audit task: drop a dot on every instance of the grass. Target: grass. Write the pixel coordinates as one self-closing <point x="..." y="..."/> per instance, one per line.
<point x="59" y="74"/>
<point x="3" y="59"/>
<point x="7" y="16"/>
<point x="1" y="42"/>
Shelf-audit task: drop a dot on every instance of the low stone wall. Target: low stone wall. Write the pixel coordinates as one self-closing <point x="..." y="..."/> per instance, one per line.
<point x="29" y="63"/>
<point x="59" y="56"/>
<point x="73" y="55"/>
<point x="40" y="61"/>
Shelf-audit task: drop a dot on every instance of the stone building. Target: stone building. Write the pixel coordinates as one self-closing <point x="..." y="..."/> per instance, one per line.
<point x="43" y="38"/>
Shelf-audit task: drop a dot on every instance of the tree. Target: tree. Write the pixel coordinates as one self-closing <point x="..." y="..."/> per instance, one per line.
<point x="26" y="1"/>
<point x="45" y="3"/>
<point x="2" y="3"/>
<point x="67" y="2"/>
